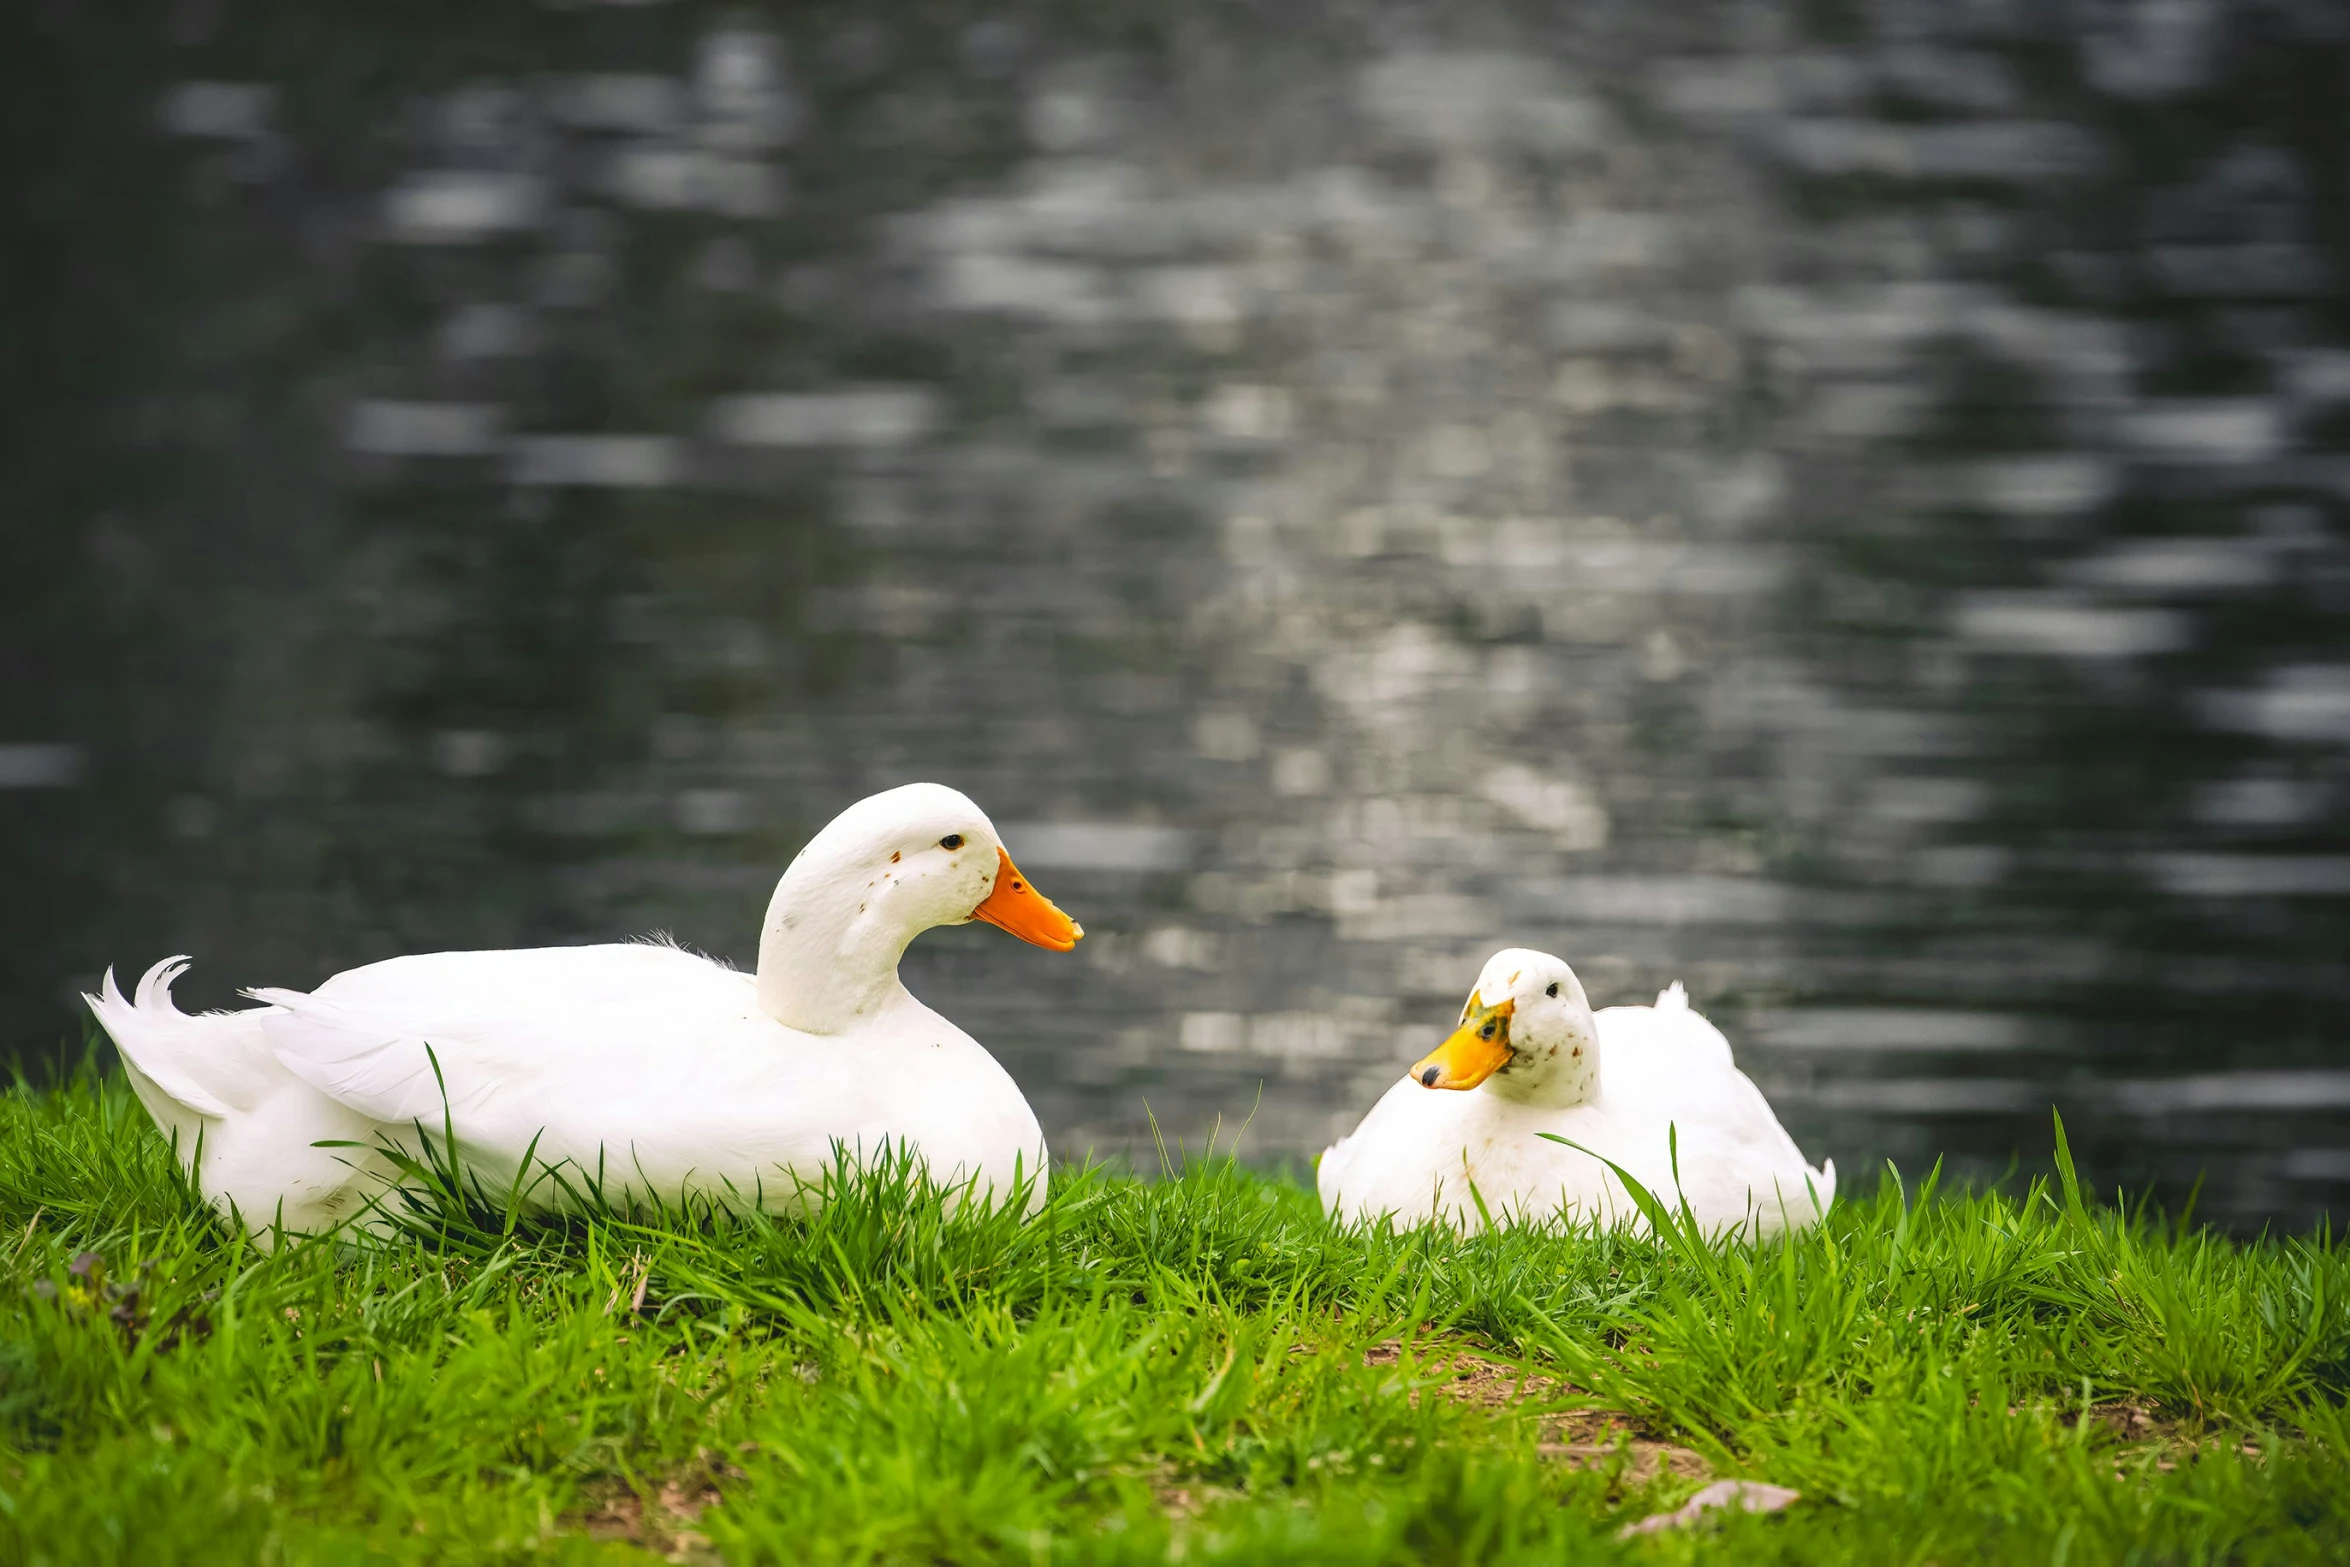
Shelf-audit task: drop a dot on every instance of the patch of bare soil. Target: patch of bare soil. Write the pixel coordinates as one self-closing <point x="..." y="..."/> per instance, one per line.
<point x="1580" y="1439"/>
<point x="1184" y="1496"/>
<point x="1470" y="1377"/>
<point x="2142" y="1431"/>
<point x="665" y="1522"/>
<point x="1594" y="1439"/>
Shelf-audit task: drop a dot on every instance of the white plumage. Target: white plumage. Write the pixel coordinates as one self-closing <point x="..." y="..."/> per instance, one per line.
<point x="652" y="1071"/>
<point x="1625" y="1084"/>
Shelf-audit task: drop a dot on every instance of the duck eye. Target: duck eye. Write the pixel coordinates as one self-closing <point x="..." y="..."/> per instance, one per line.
<point x="953" y="840"/>
<point x="1553" y="990"/>
<point x="1486" y="1032"/>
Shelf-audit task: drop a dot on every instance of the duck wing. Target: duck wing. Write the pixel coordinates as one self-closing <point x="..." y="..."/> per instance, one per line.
<point x="577" y="1049"/>
<point x="1668" y="1075"/>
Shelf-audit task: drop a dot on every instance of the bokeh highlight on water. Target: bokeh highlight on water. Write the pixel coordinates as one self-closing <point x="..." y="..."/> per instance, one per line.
<point x="1841" y="505"/>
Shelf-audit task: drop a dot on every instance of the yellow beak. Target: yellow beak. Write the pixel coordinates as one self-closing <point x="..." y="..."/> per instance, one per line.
<point x="1477" y="1049"/>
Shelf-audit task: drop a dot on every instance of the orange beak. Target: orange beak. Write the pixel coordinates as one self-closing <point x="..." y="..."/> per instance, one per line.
<point x="1026" y="913"/>
<point x="1477" y="1049"/>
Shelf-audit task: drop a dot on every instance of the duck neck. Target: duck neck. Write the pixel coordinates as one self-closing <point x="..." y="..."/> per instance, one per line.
<point x="1555" y="1073"/>
<point x="826" y="964"/>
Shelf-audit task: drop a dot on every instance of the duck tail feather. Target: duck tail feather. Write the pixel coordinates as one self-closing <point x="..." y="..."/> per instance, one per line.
<point x="158" y="1041"/>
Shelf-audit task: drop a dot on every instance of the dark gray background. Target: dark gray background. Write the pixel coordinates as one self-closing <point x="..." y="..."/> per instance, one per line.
<point x="1840" y="504"/>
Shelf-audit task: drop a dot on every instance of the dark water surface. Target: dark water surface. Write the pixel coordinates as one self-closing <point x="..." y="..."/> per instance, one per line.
<point x="1842" y="505"/>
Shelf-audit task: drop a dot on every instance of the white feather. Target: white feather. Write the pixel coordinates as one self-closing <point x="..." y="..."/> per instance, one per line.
<point x="650" y="1068"/>
<point x="149" y="1031"/>
<point x="1672" y="1109"/>
<point x="248" y="1128"/>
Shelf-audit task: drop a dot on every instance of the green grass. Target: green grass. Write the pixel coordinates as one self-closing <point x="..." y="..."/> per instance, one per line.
<point x="1195" y="1367"/>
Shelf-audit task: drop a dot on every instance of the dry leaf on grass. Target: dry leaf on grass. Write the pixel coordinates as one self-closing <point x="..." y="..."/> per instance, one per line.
<point x="1750" y="1496"/>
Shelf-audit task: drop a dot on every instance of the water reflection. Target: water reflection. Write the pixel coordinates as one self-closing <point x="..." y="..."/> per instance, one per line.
<point x="1843" y="511"/>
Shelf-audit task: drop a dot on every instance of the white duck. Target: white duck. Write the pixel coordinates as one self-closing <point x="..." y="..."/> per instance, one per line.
<point x="669" y="1073"/>
<point x="1530" y="1057"/>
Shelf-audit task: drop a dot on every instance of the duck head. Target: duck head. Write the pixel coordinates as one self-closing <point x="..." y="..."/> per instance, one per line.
<point x="882" y="872"/>
<point x="1526" y="1034"/>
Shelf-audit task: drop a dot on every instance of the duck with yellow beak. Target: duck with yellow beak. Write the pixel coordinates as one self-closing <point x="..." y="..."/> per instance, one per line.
<point x="650" y="1072"/>
<point x="1461" y="1137"/>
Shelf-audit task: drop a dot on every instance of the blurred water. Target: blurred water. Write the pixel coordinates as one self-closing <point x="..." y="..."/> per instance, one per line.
<point x="1842" y="505"/>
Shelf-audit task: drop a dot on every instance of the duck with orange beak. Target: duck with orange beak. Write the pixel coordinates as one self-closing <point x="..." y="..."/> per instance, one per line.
<point x="1519" y="1113"/>
<point x="648" y="1072"/>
